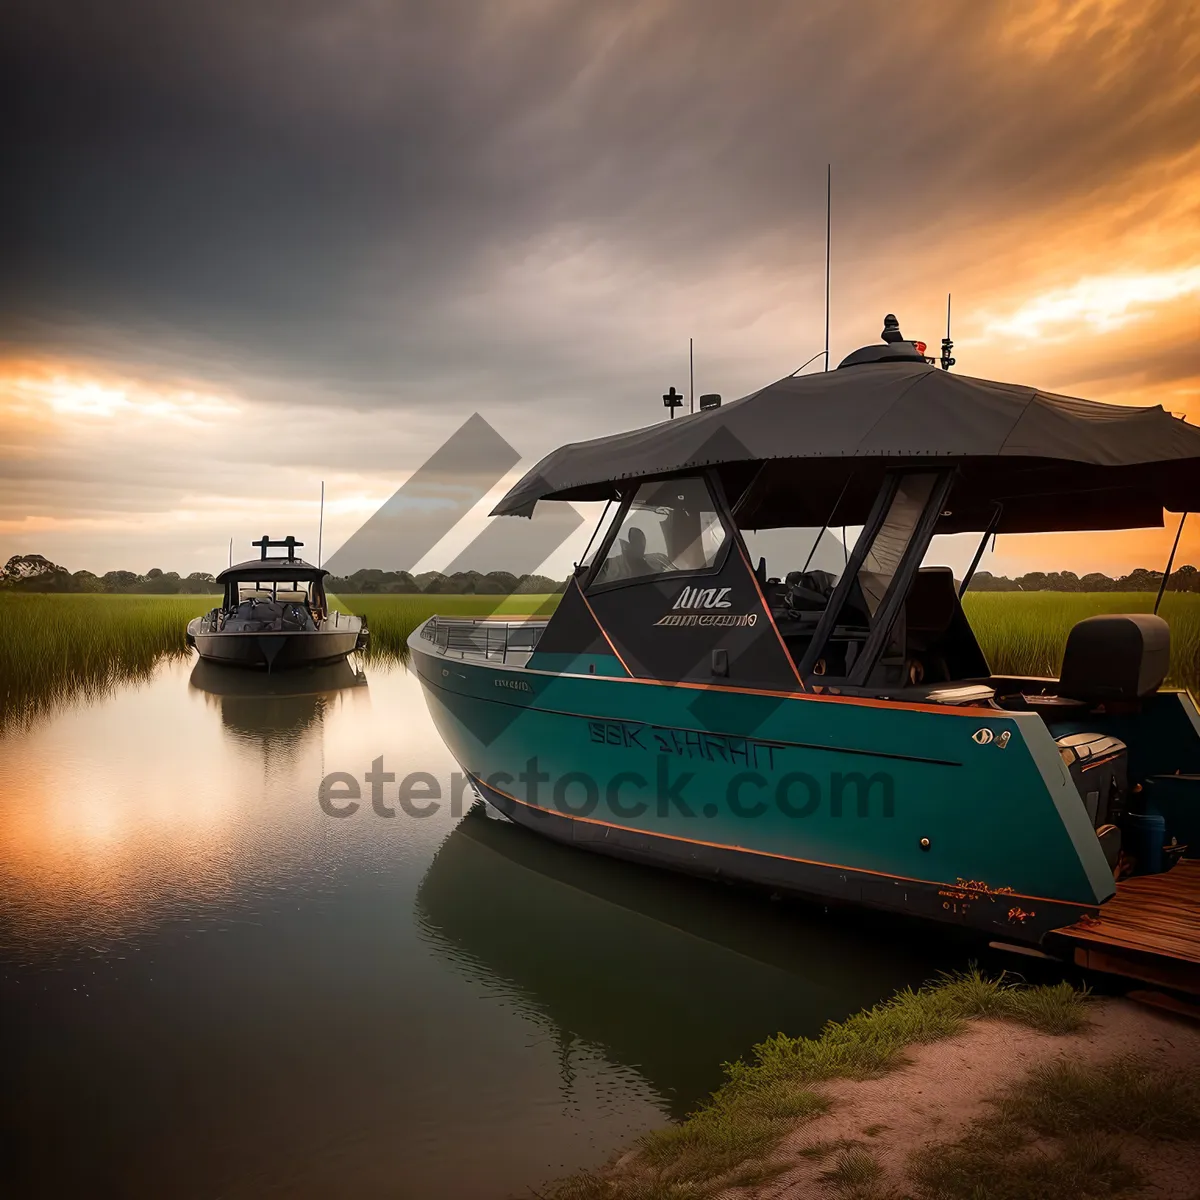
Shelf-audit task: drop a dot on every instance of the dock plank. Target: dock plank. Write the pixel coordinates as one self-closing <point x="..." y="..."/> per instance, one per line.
<point x="1149" y="930"/>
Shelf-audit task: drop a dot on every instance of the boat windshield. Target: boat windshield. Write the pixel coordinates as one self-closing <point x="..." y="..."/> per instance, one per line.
<point x="883" y="558"/>
<point x="671" y="526"/>
<point x="283" y="592"/>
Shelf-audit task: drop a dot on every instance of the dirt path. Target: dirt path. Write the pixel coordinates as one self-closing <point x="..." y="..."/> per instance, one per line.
<point x="946" y="1086"/>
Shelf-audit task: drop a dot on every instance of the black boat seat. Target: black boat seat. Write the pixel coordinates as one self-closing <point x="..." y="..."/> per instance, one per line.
<point x="931" y="604"/>
<point x="1114" y="658"/>
<point x="808" y="589"/>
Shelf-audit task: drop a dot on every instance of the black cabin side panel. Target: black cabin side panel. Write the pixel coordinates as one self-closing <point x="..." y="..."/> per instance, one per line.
<point x="669" y="626"/>
<point x="572" y="628"/>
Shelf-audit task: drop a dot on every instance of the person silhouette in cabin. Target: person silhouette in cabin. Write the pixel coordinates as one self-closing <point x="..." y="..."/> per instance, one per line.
<point x="634" y="553"/>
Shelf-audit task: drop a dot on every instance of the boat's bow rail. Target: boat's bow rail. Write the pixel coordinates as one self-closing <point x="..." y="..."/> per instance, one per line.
<point x="484" y="637"/>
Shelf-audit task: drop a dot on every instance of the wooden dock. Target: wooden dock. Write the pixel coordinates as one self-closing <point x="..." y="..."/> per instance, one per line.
<point x="1149" y="931"/>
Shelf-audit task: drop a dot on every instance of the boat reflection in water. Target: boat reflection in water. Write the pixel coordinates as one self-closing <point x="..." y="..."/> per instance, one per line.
<point x="666" y="975"/>
<point x="275" y="709"/>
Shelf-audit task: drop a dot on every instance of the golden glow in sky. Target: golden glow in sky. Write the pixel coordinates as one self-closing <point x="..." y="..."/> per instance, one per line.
<point x="356" y="241"/>
<point x="1099" y="304"/>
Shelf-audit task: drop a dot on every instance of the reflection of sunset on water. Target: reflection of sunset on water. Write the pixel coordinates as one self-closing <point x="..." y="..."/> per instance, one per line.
<point x="107" y="833"/>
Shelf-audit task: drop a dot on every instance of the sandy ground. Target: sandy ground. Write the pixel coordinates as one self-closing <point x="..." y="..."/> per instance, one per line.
<point x="946" y="1084"/>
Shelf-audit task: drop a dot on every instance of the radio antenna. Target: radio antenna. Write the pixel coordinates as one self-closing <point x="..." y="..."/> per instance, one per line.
<point x="321" y="523"/>
<point x="828" y="226"/>
<point x="947" y="344"/>
<point x="691" y="379"/>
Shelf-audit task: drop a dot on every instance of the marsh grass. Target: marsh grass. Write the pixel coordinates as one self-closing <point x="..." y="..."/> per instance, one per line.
<point x="392" y="618"/>
<point x="53" y="647"/>
<point x="1024" y="633"/>
<point x="763" y="1098"/>
<point x="1054" y="1135"/>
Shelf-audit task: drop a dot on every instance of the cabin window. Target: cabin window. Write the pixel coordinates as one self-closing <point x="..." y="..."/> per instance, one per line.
<point x="600" y="535"/>
<point x="670" y="526"/>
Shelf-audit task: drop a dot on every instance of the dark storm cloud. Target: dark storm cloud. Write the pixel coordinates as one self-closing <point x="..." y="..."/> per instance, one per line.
<point x="316" y="196"/>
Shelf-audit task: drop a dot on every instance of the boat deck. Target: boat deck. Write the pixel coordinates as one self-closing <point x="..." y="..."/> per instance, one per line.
<point x="1150" y="930"/>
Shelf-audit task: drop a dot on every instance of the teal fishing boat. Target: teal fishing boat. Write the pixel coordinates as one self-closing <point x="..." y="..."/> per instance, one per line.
<point x="840" y="735"/>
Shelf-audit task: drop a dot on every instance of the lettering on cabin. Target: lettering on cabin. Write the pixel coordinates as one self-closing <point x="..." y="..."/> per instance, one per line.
<point x="686" y="743"/>
<point x="721" y="620"/>
<point x="697" y="597"/>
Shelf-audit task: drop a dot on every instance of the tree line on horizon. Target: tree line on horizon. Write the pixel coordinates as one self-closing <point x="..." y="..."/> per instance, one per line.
<point x="1184" y="579"/>
<point x="36" y="573"/>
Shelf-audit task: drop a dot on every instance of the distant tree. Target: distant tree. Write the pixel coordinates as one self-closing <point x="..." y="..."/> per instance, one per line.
<point x="1139" y="580"/>
<point x="430" y="581"/>
<point x="504" y="581"/>
<point x="162" y="582"/>
<point x="85" y="581"/>
<point x="200" y="583"/>
<point x="120" y="581"/>
<point x="539" y="585"/>
<point x="34" y="573"/>
<point x="1186" y="579"/>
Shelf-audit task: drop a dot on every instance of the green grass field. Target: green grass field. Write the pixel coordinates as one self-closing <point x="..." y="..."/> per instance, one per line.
<point x="1023" y="633"/>
<point x="55" y="646"/>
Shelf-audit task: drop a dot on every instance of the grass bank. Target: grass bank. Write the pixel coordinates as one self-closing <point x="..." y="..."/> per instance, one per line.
<point x="52" y="646"/>
<point x="728" y="1142"/>
<point x="1024" y="633"/>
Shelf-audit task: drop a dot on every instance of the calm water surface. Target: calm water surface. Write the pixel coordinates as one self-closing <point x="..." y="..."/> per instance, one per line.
<point x="211" y="988"/>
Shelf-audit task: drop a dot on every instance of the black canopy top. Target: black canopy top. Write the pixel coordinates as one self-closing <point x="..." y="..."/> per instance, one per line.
<point x="273" y="569"/>
<point x="789" y="451"/>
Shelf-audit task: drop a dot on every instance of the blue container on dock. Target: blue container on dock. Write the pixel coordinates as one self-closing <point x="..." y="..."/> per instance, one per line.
<point x="1145" y="836"/>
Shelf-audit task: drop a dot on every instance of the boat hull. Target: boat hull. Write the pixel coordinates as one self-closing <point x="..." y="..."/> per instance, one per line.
<point x="273" y="651"/>
<point x="872" y="804"/>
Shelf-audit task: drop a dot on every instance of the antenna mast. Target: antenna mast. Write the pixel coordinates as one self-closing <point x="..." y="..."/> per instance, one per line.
<point x="691" y="379"/>
<point x="828" y="225"/>
<point x="947" y="344"/>
<point x="321" y="523"/>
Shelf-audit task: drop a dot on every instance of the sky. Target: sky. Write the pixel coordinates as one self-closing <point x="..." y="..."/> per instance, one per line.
<point x="250" y="247"/>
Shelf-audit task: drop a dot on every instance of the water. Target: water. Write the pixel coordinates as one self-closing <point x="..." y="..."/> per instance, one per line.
<point x="211" y="988"/>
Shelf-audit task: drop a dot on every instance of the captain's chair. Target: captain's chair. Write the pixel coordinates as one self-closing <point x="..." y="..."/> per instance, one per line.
<point x="1118" y="658"/>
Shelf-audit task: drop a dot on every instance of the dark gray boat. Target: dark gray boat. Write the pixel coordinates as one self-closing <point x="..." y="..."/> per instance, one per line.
<point x="275" y="616"/>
